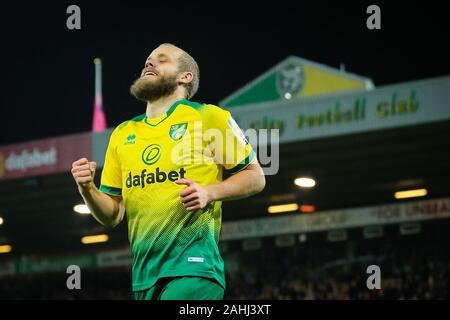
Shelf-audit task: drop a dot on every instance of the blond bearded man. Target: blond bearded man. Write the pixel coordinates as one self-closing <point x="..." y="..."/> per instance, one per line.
<point x="173" y="206"/>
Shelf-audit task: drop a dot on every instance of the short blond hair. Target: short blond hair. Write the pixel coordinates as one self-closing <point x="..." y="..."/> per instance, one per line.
<point x="188" y="64"/>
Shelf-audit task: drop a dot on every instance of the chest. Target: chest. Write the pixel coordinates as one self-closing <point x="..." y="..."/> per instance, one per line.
<point x="167" y="146"/>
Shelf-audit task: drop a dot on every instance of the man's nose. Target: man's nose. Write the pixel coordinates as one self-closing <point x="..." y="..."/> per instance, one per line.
<point x="149" y="63"/>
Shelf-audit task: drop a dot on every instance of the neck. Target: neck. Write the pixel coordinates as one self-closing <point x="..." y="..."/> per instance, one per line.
<point x="162" y="105"/>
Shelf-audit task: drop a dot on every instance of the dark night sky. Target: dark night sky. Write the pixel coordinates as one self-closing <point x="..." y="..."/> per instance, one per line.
<point x="47" y="72"/>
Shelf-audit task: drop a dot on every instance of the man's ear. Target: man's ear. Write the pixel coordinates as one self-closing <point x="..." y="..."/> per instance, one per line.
<point x="186" y="77"/>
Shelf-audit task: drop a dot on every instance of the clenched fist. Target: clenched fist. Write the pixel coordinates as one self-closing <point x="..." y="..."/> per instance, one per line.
<point x="83" y="172"/>
<point x="194" y="196"/>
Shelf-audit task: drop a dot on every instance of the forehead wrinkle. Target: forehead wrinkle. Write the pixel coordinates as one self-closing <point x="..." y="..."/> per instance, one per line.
<point x="164" y="55"/>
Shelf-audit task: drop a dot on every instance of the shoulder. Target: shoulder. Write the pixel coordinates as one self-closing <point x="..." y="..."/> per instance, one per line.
<point x="191" y="104"/>
<point x="209" y="111"/>
<point x="124" y="126"/>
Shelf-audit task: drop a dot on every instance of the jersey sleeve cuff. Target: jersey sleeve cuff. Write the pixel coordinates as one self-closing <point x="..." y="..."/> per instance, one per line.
<point x="110" y="190"/>
<point x="244" y="163"/>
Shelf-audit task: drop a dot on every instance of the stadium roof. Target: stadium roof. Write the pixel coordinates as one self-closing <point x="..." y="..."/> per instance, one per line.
<point x="296" y="77"/>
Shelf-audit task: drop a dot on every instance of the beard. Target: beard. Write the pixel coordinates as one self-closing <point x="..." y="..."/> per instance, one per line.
<point x="149" y="90"/>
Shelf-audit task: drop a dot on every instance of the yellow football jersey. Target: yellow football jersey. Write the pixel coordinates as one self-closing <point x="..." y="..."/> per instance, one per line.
<point x="145" y="157"/>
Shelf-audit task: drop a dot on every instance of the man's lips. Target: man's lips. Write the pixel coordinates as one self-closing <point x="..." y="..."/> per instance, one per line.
<point x="152" y="73"/>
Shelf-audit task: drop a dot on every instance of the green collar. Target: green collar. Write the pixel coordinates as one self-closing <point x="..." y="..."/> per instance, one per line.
<point x="155" y="121"/>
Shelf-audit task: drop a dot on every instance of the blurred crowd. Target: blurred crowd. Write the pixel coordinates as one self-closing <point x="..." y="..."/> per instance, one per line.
<point x="411" y="267"/>
<point x="105" y="284"/>
<point x="286" y="278"/>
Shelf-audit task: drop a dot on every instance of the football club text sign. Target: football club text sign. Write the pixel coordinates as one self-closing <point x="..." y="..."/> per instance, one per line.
<point x="391" y="106"/>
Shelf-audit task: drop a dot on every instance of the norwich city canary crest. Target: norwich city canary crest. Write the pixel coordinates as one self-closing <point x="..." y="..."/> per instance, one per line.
<point x="177" y="131"/>
<point x="290" y="80"/>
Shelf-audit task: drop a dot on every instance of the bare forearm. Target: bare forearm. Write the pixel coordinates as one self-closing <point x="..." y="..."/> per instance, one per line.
<point x="104" y="209"/>
<point x="241" y="185"/>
